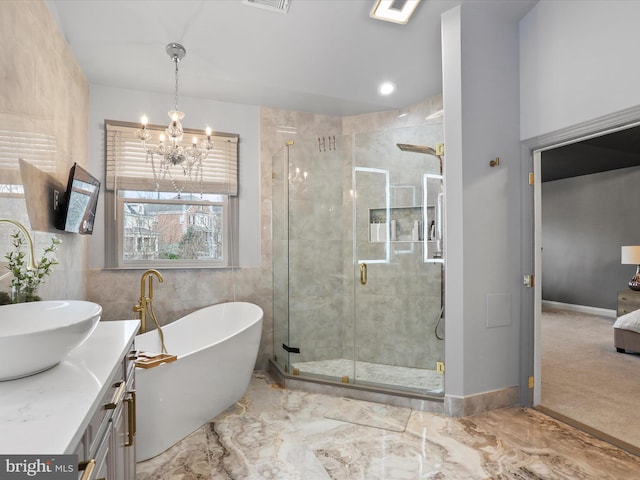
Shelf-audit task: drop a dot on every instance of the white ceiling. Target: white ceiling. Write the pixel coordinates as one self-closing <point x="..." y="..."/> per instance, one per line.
<point x="323" y="56"/>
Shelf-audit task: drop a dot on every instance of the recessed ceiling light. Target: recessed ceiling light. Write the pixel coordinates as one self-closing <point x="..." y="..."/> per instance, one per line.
<point x="387" y="88"/>
<point x="396" y="11"/>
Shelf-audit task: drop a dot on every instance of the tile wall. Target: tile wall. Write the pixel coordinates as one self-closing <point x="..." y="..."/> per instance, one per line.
<point x="44" y="102"/>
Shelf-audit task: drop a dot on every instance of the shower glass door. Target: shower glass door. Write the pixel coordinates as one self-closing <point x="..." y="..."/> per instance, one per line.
<point x="397" y="265"/>
<point x="309" y="249"/>
<point x="280" y="245"/>
<point x="358" y="261"/>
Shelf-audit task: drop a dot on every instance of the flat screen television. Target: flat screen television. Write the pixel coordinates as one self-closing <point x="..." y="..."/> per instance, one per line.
<point x="77" y="209"/>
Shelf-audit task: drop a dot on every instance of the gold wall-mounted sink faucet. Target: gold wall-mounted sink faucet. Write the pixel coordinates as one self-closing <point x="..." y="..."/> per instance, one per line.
<point x="31" y="257"/>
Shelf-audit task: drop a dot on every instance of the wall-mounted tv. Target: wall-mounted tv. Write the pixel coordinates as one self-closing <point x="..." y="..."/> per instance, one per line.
<point x="77" y="209"/>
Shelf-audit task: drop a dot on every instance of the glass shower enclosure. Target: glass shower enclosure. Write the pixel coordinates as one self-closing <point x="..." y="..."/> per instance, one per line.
<point x="358" y="260"/>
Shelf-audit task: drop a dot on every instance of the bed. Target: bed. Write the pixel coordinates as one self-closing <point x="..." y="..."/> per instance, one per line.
<point x="626" y="332"/>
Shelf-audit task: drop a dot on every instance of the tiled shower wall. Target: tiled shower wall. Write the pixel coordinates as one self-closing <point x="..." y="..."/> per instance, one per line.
<point x="395" y="314"/>
<point x="279" y="127"/>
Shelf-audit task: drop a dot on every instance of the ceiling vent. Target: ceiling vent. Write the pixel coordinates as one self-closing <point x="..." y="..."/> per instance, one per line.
<point x="281" y="6"/>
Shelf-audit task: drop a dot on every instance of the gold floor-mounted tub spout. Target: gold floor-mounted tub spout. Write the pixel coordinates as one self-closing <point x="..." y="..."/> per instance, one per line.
<point x="144" y="308"/>
<point x="145" y="302"/>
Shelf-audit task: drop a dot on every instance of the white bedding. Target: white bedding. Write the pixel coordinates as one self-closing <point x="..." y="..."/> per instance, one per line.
<point x="629" y="321"/>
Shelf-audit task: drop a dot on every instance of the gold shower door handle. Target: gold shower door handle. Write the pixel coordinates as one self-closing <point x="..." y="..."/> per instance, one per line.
<point x="363" y="273"/>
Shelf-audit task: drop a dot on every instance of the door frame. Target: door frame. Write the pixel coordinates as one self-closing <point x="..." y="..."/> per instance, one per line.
<point x="531" y="154"/>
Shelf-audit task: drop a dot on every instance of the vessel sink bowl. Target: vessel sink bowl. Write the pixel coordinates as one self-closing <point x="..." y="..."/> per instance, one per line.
<point x="36" y="336"/>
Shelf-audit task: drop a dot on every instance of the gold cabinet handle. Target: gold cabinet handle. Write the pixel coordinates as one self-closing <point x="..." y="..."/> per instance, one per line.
<point x="131" y="415"/>
<point x="363" y="273"/>
<point x="117" y="397"/>
<point x="88" y="469"/>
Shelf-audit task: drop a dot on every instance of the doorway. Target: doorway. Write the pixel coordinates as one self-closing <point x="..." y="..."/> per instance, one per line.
<point x="580" y="284"/>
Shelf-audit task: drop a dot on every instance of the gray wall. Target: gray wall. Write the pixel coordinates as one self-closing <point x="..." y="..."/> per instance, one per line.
<point x="585" y="221"/>
<point x="560" y="43"/>
<point x="483" y="230"/>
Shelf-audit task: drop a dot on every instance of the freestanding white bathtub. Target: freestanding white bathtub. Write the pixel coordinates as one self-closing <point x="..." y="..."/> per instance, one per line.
<point x="217" y="348"/>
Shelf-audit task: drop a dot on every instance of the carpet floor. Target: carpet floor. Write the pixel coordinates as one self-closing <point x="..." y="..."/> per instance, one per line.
<point x="585" y="379"/>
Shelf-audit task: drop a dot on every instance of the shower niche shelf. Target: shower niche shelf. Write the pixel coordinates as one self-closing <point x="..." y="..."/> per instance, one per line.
<point x="405" y="217"/>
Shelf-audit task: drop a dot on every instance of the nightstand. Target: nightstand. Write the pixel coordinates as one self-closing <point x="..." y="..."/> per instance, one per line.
<point x="628" y="301"/>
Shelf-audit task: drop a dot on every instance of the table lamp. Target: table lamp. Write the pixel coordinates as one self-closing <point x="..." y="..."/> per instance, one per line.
<point x="631" y="255"/>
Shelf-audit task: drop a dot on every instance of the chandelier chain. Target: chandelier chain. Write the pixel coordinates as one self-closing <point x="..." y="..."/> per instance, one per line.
<point x="176" y="60"/>
<point x="173" y="155"/>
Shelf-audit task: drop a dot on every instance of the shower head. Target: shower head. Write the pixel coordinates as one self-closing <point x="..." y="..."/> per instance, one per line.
<point x="407" y="147"/>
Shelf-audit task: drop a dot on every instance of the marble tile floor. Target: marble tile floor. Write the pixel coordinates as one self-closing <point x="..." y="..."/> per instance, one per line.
<point x="422" y="380"/>
<point x="275" y="433"/>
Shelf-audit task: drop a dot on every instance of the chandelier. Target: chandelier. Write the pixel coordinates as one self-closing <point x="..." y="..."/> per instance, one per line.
<point x="298" y="181"/>
<point x="175" y="158"/>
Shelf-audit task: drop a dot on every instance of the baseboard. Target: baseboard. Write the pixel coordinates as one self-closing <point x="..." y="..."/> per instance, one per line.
<point x="604" y="312"/>
<point x="455" y="406"/>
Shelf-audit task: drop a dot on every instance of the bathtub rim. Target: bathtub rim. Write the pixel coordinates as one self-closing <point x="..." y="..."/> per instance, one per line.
<point x="259" y="318"/>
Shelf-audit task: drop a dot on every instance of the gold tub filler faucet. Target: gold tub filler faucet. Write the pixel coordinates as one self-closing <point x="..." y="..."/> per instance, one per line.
<point x="144" y="308"/>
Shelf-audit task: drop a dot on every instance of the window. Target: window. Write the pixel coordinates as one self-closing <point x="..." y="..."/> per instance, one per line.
<point x="150" y="223"/>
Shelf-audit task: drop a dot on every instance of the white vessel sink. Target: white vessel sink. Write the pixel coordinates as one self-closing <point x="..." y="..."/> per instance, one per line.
<point x="36" y="336"/>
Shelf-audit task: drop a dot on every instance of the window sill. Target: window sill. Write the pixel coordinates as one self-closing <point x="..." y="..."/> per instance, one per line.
<point x="169" y="267"/>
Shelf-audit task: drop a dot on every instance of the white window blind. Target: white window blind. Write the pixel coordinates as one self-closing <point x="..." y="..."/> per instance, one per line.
<point x="37" y="148"/>
<point x="129" y="167"/>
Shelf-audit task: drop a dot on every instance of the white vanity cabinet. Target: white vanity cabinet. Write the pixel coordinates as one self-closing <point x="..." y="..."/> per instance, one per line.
<point x="85" y="406"/>
<point x="106" y="450"/>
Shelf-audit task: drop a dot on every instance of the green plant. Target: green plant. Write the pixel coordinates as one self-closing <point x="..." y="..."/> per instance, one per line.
<point x="25" y="281"/>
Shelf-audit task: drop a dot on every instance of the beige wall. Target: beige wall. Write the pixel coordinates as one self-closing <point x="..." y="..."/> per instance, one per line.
<point x="44" y="98"/>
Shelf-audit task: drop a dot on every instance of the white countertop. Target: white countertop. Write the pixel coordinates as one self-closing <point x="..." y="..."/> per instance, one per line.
<point x="47" y="413"/>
